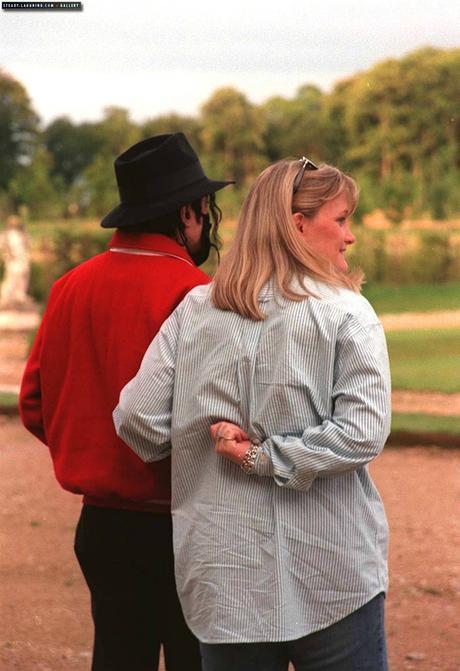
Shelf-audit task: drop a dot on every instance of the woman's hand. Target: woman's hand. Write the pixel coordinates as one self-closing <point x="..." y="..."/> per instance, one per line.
<point x="230" y="441"/>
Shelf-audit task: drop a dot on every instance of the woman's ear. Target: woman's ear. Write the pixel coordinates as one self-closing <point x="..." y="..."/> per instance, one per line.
<point x="298" y="221"/>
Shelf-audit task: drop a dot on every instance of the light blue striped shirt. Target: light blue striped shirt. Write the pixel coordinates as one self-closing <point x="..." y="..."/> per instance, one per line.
<point x="301" y="541"/>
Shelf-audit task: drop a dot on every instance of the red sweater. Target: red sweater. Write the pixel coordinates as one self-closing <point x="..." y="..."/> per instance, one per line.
<point x="100" y="319"/>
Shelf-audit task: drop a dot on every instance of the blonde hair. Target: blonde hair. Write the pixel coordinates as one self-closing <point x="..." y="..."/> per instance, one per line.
<point x="267" y="244"/>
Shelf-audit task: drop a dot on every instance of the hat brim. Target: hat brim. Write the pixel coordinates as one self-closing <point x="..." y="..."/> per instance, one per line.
<point x="130" y="215"/>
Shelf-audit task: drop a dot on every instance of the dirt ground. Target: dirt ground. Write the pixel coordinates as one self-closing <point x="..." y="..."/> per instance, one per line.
<point x="44" y="605"/>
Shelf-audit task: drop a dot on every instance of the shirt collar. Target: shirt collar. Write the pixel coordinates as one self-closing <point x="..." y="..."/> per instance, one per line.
<point x="153" y="242"/>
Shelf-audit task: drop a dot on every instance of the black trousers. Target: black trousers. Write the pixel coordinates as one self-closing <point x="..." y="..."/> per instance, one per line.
<point x="127" y="560"/>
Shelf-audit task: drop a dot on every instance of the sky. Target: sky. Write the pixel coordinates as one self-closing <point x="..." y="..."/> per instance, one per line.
<point x="153" y="57"/>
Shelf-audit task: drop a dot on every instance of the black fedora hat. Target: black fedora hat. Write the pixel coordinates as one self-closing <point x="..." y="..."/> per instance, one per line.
<point x="156" y="177"/>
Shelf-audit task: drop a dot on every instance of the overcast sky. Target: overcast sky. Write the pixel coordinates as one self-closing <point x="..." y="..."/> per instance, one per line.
<point x="157" y="56"/>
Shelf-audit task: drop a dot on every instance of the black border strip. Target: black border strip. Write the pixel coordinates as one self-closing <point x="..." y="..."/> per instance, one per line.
<point x="42" y="6"/>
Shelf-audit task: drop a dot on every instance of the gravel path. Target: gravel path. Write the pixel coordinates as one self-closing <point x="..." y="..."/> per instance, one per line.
<point x="427" y="402"/>
<point x="421" y="320"/>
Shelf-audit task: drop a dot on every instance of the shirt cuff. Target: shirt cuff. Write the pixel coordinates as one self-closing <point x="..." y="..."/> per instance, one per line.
<point x="262" y="464"/>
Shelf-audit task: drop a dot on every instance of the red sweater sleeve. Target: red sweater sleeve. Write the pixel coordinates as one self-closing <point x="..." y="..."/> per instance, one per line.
<point x="30" y="404"/>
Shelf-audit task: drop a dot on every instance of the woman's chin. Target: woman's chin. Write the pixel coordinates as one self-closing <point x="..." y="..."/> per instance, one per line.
<point x="341" y="264"/>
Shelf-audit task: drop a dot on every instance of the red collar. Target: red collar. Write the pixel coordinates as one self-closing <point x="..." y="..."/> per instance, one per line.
<point x="153" y="242"/>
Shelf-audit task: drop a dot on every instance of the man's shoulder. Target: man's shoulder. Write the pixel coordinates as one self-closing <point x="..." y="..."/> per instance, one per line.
<point x="195" y="275"/>
<point x="96" y="275"/>
<point x="82" y="269"/>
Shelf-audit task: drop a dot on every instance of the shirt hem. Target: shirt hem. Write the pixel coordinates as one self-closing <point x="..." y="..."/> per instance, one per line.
<point x="284" y="638"/>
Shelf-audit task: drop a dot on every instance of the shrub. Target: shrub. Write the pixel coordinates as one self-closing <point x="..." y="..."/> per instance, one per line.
<point x="72" y="247"/>
<point x="397" y="255"/>
<point x="40" y="281"/>
<point x="402" y="256"/>
<point x="60" y="251"/>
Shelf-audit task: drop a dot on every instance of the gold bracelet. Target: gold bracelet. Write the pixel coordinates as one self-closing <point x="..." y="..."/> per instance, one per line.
<point x="250" y="457"/>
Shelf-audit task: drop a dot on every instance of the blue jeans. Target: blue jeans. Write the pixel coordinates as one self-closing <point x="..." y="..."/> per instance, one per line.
<point x="356" y="643"/>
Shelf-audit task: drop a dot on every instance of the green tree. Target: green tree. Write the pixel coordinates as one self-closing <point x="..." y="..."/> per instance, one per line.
<point x="336" y="136"/>
<point x="72" y="146"/>
<point x="401" y="127"/>
<point x="95" y="190"/>
<point x="116" y="132"/>
<point x="174" y="123"/>
<point x="32" y="187"/>
<point x="233" y="136"/>
<point x="18" y="128"/>
<point x="295" y="127"/>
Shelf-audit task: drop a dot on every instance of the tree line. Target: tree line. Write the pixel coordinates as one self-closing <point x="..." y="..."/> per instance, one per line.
<point x="395" y="127"/>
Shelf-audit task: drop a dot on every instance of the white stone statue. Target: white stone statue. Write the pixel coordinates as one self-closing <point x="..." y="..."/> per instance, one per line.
<point x="15" y="252"/>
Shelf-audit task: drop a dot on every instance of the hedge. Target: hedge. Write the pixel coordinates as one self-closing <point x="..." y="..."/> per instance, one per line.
<point x="393" y="256"/>
<point x="401" y="257"/>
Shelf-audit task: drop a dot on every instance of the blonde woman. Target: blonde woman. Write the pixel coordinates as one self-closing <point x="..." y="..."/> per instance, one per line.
<point x="280" y="535"/>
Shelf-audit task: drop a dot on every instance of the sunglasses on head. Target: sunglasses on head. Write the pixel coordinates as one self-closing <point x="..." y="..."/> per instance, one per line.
<point x="306" y="165"/>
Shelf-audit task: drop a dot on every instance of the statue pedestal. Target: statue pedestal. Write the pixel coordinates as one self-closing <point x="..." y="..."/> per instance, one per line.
<point x="15" y="326"/>
<point x="19" y="320"/>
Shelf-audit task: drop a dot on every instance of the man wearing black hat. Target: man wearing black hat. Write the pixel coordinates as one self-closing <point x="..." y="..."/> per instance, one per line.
<point x="100" y="319"/>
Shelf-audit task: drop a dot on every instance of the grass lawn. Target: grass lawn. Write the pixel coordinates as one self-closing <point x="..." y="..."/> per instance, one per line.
<point x="425" y="359"/>
<point x="417" y="298"/>
<point x="8" y="399"/>
<point x="418" y="423"/>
